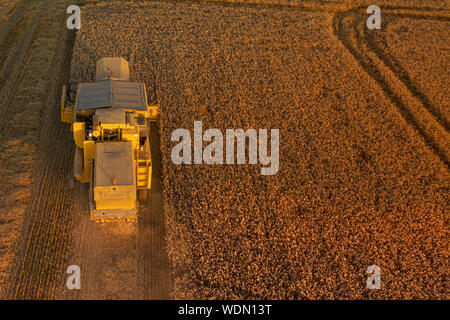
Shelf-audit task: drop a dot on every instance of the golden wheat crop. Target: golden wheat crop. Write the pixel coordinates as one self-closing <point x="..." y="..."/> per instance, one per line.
<point x="357" y="183"/>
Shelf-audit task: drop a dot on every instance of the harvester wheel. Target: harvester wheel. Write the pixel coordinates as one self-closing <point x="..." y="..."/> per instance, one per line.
<point x="72" y="91"/>
<point x="142" y="195"/>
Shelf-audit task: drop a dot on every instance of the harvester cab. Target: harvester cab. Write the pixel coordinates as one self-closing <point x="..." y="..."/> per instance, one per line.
<point x="110" y="120"/>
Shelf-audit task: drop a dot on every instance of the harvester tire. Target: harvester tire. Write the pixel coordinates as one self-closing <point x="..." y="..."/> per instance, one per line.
<point x="142" y="195"/>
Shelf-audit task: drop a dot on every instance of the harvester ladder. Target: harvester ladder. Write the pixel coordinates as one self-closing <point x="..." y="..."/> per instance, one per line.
<point x="142" y="174"/>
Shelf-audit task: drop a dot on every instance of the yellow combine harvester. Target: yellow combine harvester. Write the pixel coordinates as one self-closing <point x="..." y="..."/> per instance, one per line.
<point x="110" y="123"/>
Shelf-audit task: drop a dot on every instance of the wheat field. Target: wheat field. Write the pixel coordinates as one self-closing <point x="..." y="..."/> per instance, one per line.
<point x="364" y="151"/>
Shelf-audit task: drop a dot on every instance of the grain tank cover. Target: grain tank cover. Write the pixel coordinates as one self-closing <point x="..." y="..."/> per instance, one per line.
<point x="114" y="164"/>
<point x="112" y="68"/>
<point x="114" y="180"/>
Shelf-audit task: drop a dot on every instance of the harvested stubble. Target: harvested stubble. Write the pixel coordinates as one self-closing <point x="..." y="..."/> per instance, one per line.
<point x="34" y="153"/>
<point x="357" y="185"/>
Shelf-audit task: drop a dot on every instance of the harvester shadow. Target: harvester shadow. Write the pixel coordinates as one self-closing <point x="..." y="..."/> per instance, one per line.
<point x="154" y="265"/>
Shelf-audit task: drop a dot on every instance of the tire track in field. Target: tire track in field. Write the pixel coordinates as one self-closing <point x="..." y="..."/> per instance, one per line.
<point x="350" y="32"/>
<point x="11" y="35"/>
<point x="45" y="238"/>
<point x="155" y="276"/>
<point x="43" y="252"/>
<point x="14" y="78"/>
<point x="9" y="136"/>
<point x="24" y="43"/>
<point x="17" y="13"/>
<point x="391" y="62"/>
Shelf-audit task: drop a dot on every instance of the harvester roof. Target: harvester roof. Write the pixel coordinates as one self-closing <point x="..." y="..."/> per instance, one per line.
<point x="111" y="93"/>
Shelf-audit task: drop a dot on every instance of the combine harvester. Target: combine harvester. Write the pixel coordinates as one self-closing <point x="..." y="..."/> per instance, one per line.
<point x="110" y="120"/>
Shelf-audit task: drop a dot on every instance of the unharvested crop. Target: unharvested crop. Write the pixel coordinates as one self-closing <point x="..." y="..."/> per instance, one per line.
<point x="357" y="183"/>
<point x="419" y="50"/>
